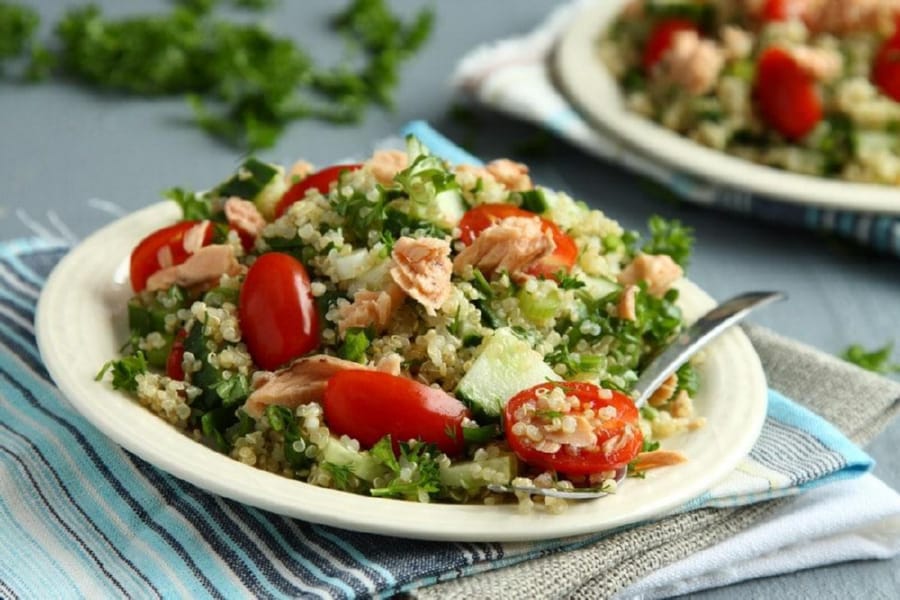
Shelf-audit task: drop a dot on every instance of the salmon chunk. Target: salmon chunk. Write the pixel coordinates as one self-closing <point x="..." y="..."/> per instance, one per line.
<point x="691" y="63"/>
<point x="244" y="215"/>
<point x="510" y="244"/>
<point x="370" y="309"/>
<point x="422" y="268"/>
<point x="300" y="383"/>
<point x="658" y="270"/>
<point x="513" y="175"/>
<point x="385" y="164"/>
<point x="205" y="266"/>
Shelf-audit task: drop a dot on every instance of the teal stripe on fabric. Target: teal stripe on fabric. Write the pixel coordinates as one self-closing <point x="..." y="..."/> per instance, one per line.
<point x="351" y="550"/>
<point x="24" y="548"/>
<point x="811" y="217"/>
<point x="178" y="528"/>
<point x="796" y="416"/>
<point x="438" y="144"/>
<point x="306" y="564"/>
<point x="99" y="502"/>
<point x="881" y="231"/>
<point x="16" y="299"/>
<point x="562" y="120"/>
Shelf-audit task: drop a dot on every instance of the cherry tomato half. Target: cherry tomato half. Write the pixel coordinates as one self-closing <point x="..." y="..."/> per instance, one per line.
<point x="276" y="310"/>
<point x="320" y="180"/>
<point x="787" y="96"/>
<point x="618" y="437"/>
<point x="167" y="244"/>
<point x="174" y="368"/>
<point x="661" y="39"/>
<point x="886" y="69"/>
<point x="483" y="216"/>
<point x="368" y="405"/>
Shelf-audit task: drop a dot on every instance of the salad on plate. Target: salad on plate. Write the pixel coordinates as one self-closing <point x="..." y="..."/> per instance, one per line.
<point x="405" y="328"/>
<point x="808" y="86"/>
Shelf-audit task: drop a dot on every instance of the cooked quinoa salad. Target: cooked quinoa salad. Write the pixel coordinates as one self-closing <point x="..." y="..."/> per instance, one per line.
<point x="810" y="86"/>
<point x="408" y="329"/>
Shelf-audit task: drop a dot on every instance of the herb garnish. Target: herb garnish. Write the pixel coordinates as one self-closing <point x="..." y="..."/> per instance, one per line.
<point x="245" y="84"/>
<point x="877" y="361"/>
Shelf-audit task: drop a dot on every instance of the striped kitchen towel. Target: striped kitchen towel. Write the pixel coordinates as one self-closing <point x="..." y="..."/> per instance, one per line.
<point x="80" y="517"/>
<point x="512" y="76"/>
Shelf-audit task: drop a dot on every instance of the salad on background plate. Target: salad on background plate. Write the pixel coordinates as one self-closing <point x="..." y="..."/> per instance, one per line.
<point x="808" y="86"/>
<point x="404" y="328"/>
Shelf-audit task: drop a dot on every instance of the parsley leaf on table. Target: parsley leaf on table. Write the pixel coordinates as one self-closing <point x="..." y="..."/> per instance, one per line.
<point x="877" y="361"/>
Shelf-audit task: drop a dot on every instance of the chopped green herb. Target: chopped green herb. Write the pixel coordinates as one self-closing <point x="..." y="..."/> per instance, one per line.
<point x="568" y="282"/>
<point x="877" y="361"/>
<point x="356" y="342"/>
<point x="233" y="390"/>
<point x="480" y="435"/>
<point x="480" y="283"/>
<point x="669" y="237"/>
<point x="533" y="200"/>
<point x="340" y="474"/>
<point x="125" y="371"/>
<point x="194" y="207"/>
<point x="423" y="476"/>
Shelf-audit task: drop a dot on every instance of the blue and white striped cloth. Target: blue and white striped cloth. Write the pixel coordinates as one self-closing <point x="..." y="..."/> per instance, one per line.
<point x="512" y="76"/>
<point x="80" y="517"/>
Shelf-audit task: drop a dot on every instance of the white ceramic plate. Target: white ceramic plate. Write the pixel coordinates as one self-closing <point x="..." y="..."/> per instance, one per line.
<point x="82" y="322"/>
<point x="594" y="91"/>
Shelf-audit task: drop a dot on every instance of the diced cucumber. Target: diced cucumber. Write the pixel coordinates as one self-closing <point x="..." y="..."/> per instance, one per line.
<point x="470" y="475"/>
<point x="505" y="366"/>
<point x="875" y="141"/>
<point x="450" y="207"/>
<point x="599" y="287"/>
<point x="260" y="182"/>
<point x="540" y="307"/>
<point x="361" y="464"/>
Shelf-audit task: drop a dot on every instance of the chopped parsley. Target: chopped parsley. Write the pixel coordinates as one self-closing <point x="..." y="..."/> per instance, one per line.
<point x="244" y="83"/>
<point x="669" y="237"/>
<point x="356" y="342"/>
<point x="125" y="371"/>
<point x="415" y="470"/>
<point x="877" y="361"/>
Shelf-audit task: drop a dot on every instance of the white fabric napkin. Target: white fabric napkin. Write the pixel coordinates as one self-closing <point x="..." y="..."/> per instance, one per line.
<point x="855" y="519"/>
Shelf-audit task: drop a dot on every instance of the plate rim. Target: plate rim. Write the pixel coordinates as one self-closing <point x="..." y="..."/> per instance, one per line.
<point x="583" y="79"/>
<point x="412" y="520"/>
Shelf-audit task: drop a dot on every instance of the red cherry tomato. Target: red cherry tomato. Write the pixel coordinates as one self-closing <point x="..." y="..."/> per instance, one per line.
<point x="277" y="314"/>
<point x="166" y="242"/>
<point x="782" y="10"/>
<point x="618" y="437"/>
<point x="320" y="180"/>
<point x="176" y="357"/>
<point x="661" y="39"/>
<point x="787" y="97"/>
<point x="483" y="216"/>
<point x="368" y="405"/>
<point x="886" y="69"/>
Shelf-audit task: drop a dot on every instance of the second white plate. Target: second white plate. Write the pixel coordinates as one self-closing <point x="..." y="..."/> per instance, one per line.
<point x="587" y="82"/>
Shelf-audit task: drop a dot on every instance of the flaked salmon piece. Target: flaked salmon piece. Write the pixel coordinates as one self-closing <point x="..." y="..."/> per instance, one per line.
<point x="206" y="265"/>
<point x="299" y="171"/>
<point x="848" y="16"/>
<point x="193" y="238"/>
<point x="737" y="43"/>
<point x="302" y="382"/>
<point x="692" y="63"/>
<point x="626" y="309"/>
<point x="656" y="459"/>
<point x="370" y="309"/>
<point x="513" y="175"/>
<point x="385" y="164"/>
<point x="422" y="268"/>
<point x="510" y="244"/>
<point x="244" y="215"/>
<point x="664" y="392"/>
<point x="658" y="270"/>
<point x="821" y="64"/>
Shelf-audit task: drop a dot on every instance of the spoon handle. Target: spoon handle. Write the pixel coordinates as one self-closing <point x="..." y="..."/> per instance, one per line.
<point x="695" y="337"/>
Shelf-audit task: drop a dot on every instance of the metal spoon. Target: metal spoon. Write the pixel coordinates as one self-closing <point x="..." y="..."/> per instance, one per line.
<point x="688" y="343"/>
